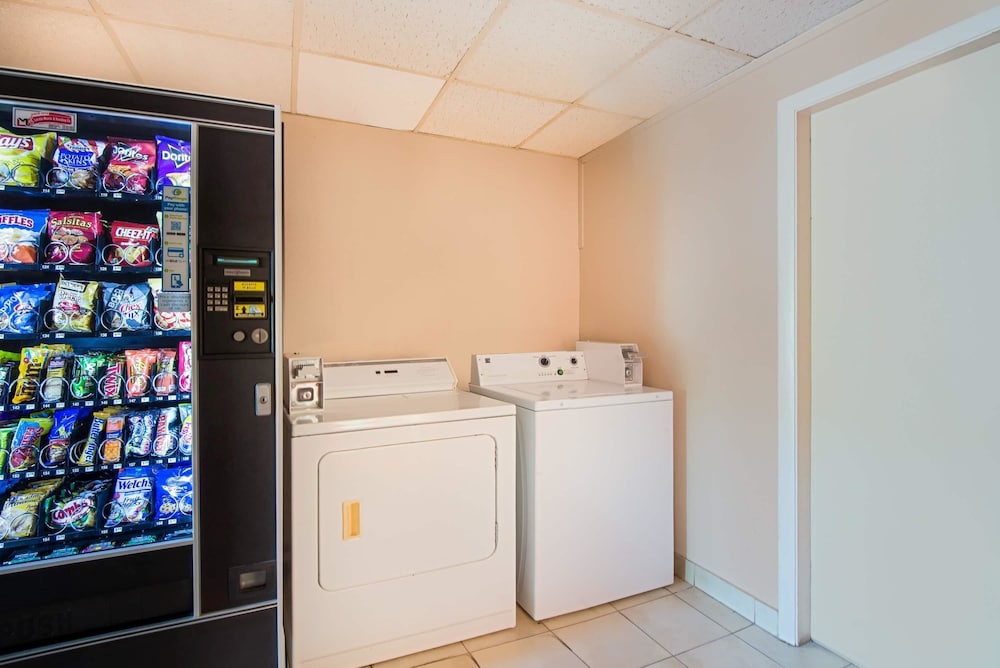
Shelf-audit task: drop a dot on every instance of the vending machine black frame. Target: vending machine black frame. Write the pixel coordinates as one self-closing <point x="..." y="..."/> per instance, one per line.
<point x="213" y="602"/>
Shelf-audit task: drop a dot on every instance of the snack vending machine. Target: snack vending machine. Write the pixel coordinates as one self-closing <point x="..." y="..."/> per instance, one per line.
<point x="139" y="333"/>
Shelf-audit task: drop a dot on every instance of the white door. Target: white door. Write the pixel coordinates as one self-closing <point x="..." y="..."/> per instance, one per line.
<point x="906" y="370"/>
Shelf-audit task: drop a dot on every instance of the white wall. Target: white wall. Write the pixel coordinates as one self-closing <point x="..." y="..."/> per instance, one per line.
<point x="905" y="360"/>
<point x="680" y="256"/>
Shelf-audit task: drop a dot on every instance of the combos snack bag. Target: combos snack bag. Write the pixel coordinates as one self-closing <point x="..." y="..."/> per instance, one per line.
<point x="173" y="162"/>
<point x="19" y="517"/>
<point x="166" y="320"/>
<point x="131" y="244"/>
<point x="20" y="232"/>
<point x="75" y="164"/>
<point x="133" y="498"/>
<point x="174" y="493"/>
<point x="73" y="306"/>
<point x="126" y="307"/>
<point x="21" y="157"/>
<point x="73" y="237"/>
<point x="76" y="505"/>
<point x="20" y="306"/>
<point x="130" y="166"/>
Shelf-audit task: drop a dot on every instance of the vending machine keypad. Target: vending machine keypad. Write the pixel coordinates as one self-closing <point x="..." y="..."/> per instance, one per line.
<point x="237" y="302"/>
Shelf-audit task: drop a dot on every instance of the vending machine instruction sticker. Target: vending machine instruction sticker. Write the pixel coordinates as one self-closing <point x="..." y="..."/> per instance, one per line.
<point x="40" y="119"/>
<point x="176" y="231"/>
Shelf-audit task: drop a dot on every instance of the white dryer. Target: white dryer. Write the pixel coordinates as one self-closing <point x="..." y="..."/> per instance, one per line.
<point x="595" y="481"/>
<point x="399" y="515"/>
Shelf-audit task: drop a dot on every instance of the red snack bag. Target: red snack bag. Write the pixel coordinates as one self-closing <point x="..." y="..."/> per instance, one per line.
<point x="131" y="244"/>
<point x="72" y="237"/>
<point x="130" y="166"/>
<point x="141" y="366"/>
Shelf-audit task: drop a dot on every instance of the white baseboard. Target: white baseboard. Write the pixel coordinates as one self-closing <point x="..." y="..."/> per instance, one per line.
<point x="727" y="594"/>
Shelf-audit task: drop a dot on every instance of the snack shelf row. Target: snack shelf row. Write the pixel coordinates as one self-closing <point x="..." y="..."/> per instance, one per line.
<point x="74" y="194"/>
<point x="69" y="536"/>
<point x="84" y="270"/>
<point x="60" y="336"/>
<point x="176" y="460"/>
<point x="95" y="403"/>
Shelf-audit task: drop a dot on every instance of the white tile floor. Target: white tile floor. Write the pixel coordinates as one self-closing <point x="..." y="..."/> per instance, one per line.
<point x="674" y="627"/>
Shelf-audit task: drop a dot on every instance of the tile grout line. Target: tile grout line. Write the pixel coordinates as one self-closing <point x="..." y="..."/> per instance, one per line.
<point x="297" y="9"/>
<point x="453" y="75"/>
<point x="113" y="36"/>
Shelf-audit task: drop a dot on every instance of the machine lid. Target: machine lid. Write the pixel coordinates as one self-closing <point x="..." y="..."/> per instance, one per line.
<point x="571" y="394"/>
<point x="398" y="410"/>
<point x="384" y="377"/>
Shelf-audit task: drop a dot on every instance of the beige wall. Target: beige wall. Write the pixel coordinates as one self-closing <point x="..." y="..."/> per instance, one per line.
<point x="402" y="245"/>
<point x="680" y="255"/>
<point x="905" y="408"/>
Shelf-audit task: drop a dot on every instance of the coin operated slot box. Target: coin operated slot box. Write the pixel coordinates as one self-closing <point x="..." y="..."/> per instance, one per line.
<point x="303" y="383"/>
<point x="236" y="302"/>
<point x="619" y="363"/>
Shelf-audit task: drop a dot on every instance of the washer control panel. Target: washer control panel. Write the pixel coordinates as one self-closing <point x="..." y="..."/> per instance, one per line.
<point x="509" y="368"/>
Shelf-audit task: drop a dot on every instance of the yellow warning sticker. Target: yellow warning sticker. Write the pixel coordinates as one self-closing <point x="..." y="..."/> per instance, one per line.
<point x="249" y="311"/>
<point x="248" y="286"/>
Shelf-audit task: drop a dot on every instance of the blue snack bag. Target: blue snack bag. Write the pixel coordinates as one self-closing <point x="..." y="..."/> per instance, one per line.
<point x="20" y="235"/>
<point x="173" y="162"/>
<point x="21" y="306"/>
<point x="174" y="493"/>
<point x="133" y="499"/>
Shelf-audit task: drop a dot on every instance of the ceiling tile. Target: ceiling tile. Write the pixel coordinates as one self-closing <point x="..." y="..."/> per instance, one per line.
<point x="176" y="60"/>
<point x="672" y="70"/>
<point x="28" y="43"/>
<point x="757" y="26"/>
<point x="553" y="49"/>
<point x="487" y="115"/>
<point x="79" y="5"/>
<point x="359" y="93"/>
<point x="580" y="131"/>
<point x="428" y="37"/>
<point x="260" y="20"/>
<point x="666" y="13"/>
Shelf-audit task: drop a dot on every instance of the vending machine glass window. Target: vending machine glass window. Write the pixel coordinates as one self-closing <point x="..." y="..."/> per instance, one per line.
<point x="96" y="433"/>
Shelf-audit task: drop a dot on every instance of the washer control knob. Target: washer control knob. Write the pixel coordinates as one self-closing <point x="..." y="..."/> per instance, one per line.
<point x="560" y="372"/>
<point x="544" y="361"/>
<point x="259" y="335"/>
<point x="239" y="336"/>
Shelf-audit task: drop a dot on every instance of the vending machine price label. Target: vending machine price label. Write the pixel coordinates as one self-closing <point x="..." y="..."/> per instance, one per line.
<point x="60" y="537"/>
<point x="117" y="530"/>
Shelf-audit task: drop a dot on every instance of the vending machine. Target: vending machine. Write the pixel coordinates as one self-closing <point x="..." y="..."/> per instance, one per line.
<point x="139" y="331"/>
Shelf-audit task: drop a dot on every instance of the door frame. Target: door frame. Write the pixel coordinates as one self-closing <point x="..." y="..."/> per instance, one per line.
<point x="794" y="290"/>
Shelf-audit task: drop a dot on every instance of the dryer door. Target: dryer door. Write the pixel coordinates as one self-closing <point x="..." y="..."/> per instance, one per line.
<point x="399" y="510"/>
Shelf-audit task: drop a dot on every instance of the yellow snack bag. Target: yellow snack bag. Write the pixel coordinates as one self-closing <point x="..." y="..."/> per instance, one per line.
<point x="21" y="157"/>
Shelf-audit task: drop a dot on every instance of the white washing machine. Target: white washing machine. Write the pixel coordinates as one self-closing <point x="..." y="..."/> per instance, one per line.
<point x="399" y="515"/>
<point x="595" y="481"/>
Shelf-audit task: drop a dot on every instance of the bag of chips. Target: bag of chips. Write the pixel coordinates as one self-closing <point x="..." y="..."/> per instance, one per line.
<point x="20" y="235"/>
<point x="141" y="427"/>
<point x="168" y="432"/>
<point x="73" y="237"/>
<point x="21" y="157"/>
<point x="87" y="369"/>
<point x="19" y="517"/>
<point x="167" y="321"/>
<point x="126" y="307"/>
<point x="131" y="244"/>
<point x="174" y="493"/>
<point x="187" y="430"/>
<point x="20" y="306"/>
<point x="141" y="366"/>
<point x="27" y="441"/>
<point x="75" y="163"/>
<point x="165" y="380"/>
<point x="73" y="306"/>
<point x="184" y="363"/>
<point x="66" y="425"/>
<point x="173" y="162"/>
<point x="130" y="166"/>
<point x="133" y="497"/>
<point x="77" y="504"/>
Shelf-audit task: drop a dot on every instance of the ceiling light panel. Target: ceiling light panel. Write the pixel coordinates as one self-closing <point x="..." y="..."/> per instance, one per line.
<point x="757" y="26"/>
<point x="257" y="20"/>
<point x="415" y="35"/>
<point x="486" y="115"/>
<point x="671" y="71"/>
<point x="580" y="131"/>
<point x="360" y="93"/>
<point x="554" y="49"/>
<point x="38" y="39"/>
<point x="240" y="70"/>
<point x="666" y="13"/>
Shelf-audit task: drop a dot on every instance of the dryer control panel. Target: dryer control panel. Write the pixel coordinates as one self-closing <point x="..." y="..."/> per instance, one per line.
<point x="510" y="368"/>
<point x="236" y="302"/>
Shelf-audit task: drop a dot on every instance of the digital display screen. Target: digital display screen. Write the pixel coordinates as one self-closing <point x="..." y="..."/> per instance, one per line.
<point x="237" y="261"/>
